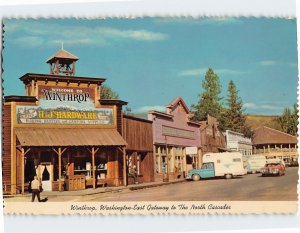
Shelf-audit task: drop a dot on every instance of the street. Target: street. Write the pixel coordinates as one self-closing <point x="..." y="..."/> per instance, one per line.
<point x="251" y="187"/>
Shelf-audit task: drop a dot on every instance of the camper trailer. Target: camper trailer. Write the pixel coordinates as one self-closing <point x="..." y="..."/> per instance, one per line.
<point x="227" y="164"/>
<point x="255" y="163"/>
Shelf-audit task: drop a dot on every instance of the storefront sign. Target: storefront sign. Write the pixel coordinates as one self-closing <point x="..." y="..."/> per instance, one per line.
<point x="65" y="106"/>
<point x="38" y="115"/>
<point x="193" y="150"/>
<point x="181" y="133"/>
<point x="66" y="94"/>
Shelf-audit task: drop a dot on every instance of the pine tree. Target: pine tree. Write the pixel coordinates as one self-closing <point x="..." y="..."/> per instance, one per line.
<point x="108" y="93"/>
<point x="233" y="117"/>
<point x="209" y="100"/>
<point x="288" y="121"/>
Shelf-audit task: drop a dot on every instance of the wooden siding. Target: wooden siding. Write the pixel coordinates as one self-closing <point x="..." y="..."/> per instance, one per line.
<point x="6" y="147"/>
<point x="138" y="134"/>
<point x="119" y="119"/>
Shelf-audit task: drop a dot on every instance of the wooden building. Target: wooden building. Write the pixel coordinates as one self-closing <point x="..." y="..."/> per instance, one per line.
<point x="212" y="139"/>
<point x="236" y="141"/>
<point x="176" y="140"/>
<point x="274" y="143"/>
<point x="139" y="151"/>
<point x="62" y="132"/>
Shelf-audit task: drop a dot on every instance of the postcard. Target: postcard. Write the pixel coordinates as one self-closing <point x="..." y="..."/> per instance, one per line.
<point x="150" y="115"/>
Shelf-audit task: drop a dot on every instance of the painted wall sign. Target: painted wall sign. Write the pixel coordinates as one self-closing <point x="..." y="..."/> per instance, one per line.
<point x="65" y="106"/>
<point x="192" y="150"/>
<point x="170" y="131"/>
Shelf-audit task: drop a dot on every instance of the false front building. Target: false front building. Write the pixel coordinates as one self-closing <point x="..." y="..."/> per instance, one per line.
<point x="62" y="132"/>
<point x="176" y="141"/>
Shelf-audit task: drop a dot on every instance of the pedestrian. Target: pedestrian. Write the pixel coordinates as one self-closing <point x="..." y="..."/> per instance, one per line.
<point x="133" y="173"/>
<point x="36" y="187"/>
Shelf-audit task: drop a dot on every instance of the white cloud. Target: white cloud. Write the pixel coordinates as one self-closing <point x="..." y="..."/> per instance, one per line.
<point x="264" y="106"/>
<point x="270" y="107"/>
<point x="273" y="63"/>
<point x="250" y="105"/>
<point x="200" y="21"/>
<point x="268" y="63"/>
<point x="145" y="109"/>
<point x="202" y="71"/>
<point x="52" y="34"/>
<point x="192" y="72"/>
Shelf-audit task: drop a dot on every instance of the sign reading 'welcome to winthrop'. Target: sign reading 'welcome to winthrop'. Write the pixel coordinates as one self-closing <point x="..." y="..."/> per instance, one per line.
<point x="65" y="105"/>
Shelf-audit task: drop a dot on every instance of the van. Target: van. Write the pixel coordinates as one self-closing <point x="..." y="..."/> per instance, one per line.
<point x="227" y="164"/>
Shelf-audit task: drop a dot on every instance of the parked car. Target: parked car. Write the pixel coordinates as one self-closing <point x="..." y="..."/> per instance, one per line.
<point x="294" y="162"/>
<point x="227" y="164"/>
<point x="273" y="169"/>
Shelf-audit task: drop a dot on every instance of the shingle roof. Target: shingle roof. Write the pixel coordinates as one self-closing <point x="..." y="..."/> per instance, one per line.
<point x="266" y="135"/>
<point x="63" y="54"/>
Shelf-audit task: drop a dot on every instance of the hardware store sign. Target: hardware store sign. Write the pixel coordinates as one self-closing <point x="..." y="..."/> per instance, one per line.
<point x="66" y="106"/>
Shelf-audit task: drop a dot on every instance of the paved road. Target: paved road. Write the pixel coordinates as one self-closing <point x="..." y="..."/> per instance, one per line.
<point x="251" y="187"/>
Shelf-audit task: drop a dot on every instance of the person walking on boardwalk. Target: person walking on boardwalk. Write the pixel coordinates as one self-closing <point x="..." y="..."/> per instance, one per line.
<point x="36" y="189"/>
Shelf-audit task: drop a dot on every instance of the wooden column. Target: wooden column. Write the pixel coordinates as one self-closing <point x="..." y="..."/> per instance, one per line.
<point x="124" y="167"/>
<point x="93" y="167"/>
<point x="59" y="169"/>
<point x="23" y="153"/>
<point x="23" y="169"/>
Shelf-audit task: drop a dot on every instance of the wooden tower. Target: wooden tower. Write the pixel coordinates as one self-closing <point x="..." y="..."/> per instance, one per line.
<point x="62" y="63"/>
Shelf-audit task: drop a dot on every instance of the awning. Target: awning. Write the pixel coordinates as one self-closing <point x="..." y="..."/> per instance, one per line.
<point x="69" y="137"/>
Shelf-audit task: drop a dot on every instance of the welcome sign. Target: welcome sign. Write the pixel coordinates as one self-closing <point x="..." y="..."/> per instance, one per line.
<point x="66" y="106"/>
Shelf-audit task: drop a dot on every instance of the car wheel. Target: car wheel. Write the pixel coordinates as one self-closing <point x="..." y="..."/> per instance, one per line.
<point x="228" y="176"/>
<point x="196" y="177"/>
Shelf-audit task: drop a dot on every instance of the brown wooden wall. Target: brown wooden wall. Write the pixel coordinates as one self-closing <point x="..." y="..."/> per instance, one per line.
<point x="119" y="119"/>
<point x="137" y="133"/>
<point x="6" y="149"/>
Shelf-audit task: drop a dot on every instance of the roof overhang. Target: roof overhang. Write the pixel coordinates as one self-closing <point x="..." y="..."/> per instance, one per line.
<point x="51" y="137"/>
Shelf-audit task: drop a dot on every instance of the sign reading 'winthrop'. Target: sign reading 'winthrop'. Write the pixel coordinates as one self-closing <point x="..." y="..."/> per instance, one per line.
<point x="65" y="105"/>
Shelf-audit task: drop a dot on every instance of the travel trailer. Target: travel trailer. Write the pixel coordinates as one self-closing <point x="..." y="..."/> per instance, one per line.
<point x="227" y="164"/>
<point x="255" y="163"/>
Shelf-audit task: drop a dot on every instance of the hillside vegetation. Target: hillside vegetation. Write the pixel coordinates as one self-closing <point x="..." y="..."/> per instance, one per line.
<point x="255" y="121"/>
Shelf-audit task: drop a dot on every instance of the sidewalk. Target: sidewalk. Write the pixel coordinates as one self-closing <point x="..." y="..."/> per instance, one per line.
<point x="91" y="191"/>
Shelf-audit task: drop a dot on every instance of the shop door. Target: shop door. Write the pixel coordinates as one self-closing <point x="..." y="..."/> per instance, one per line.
<point x="46" y="175"/>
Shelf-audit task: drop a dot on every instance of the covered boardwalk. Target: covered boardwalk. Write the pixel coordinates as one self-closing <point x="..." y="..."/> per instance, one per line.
<point x="67" y="154"/>
<point x="273" y="143"/>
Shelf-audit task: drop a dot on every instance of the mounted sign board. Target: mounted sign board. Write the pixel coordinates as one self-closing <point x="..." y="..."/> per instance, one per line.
<point x="65" y="106"/>
<point x="193" y="150"/>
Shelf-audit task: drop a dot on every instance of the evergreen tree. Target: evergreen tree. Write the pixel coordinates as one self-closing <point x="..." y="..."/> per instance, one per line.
<point x="209" y="100"/>
<point x="233" y="117"/>
<point x="288" y="121"/>
<point x="108" y="93"/>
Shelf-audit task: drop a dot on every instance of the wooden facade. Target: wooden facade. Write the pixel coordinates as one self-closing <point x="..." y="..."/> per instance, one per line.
<point x="44" y="137"/>
<point x="139" y="151"/>
<point x="274" y="143"/>
<point x="173" y="133"/>
<point x="212" y="139"/>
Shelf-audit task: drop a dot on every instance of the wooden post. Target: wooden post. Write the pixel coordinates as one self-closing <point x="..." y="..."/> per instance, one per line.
<point x="124" y="167"/>
<point x="59" y="170"/>
<point x="93" y="167"/>
<point x="23" y="169"/>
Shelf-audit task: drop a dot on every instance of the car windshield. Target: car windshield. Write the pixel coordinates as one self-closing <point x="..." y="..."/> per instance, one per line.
<point x="272" y="164"/>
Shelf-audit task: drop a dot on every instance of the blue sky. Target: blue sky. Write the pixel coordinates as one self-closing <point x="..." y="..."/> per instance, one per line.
<point x="151" y="61"/>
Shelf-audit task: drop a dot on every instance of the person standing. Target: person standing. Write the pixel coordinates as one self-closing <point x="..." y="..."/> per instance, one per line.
<point x="36" y="189"/>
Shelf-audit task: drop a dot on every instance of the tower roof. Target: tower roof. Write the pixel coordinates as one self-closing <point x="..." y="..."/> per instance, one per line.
<point x="63" y="54"/>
